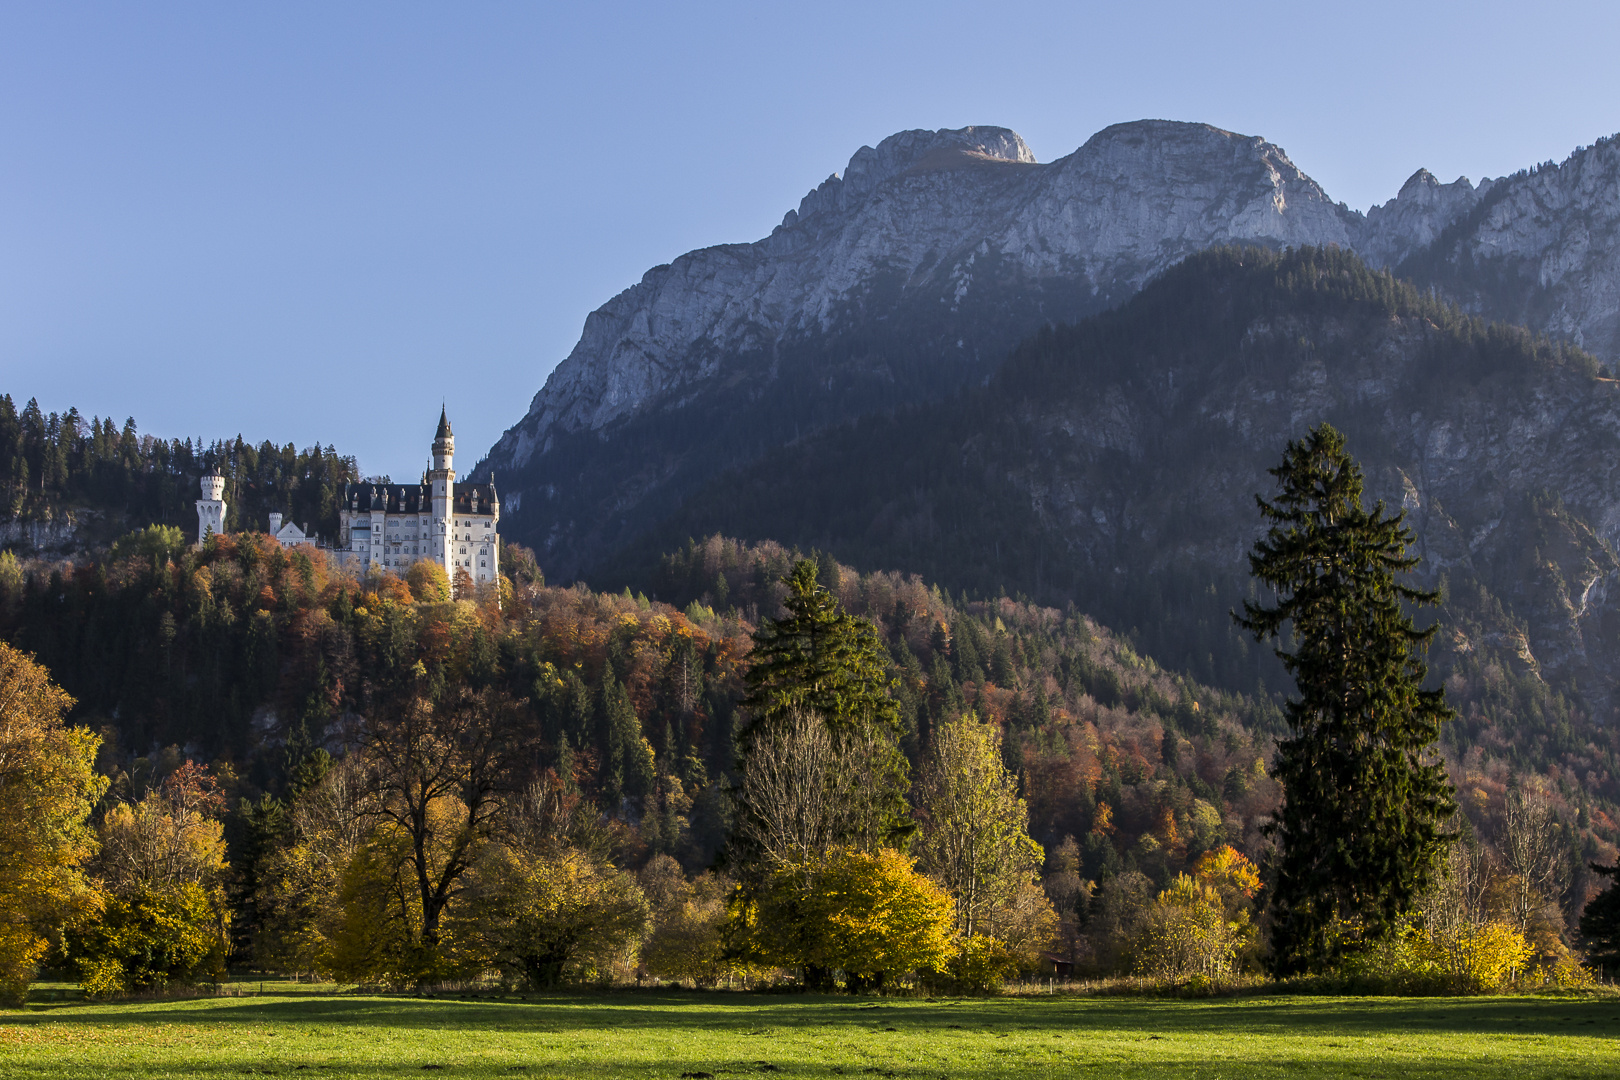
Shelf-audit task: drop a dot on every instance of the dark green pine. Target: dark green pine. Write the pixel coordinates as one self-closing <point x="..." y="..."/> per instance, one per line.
<point x="1600" y="923"/>
<point x="820" y="659"/>
<point x="823" y="659"/>
<point x="1361" y="830"/>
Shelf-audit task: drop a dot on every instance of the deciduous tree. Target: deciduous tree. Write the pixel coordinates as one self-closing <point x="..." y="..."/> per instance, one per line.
<point x="48" y="787"/>
<point x="974" y="837"/>
<point x="437" y="774"/>
<point x="871" y="915"/>
<point x="163" y="862"/>
<point x="819" y="661"/>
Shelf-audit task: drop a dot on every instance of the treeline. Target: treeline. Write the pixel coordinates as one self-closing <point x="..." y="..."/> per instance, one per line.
<point x="589" y="765"/>
<point x="52" y="464"/>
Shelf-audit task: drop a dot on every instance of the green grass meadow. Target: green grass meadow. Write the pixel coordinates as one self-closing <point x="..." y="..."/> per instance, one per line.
<point x="316" y="1032"/>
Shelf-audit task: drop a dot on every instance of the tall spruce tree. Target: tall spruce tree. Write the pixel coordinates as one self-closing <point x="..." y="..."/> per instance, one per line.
<point x="820" y="661"/>
<point x="821" y="658"/>
<point x="1361" y="829"/>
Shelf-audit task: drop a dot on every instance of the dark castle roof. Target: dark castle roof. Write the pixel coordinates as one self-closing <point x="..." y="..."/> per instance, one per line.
<point x="464" y="498"/>
<point x="416" y="498"/>
<point x="389" y="498"/>
<point x="444" y="426"/>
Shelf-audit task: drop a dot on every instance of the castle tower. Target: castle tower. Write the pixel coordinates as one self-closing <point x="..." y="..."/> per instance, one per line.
<point x="211" y="507"/>
<point x="443" y="479"/>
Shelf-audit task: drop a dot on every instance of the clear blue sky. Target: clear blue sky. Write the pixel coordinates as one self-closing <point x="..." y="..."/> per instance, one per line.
<point x="315" y="221"/>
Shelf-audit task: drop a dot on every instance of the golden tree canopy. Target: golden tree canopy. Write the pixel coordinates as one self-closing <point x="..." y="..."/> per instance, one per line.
<point x="48" y="786"/>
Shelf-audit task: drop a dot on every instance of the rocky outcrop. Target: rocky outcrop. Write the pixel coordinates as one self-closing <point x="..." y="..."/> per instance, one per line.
<point x="1415" y="218"/>
<point x="60" y="537"/>
<point x="935" y="210"/>
<point x="1540" y="248"/>
<point x="956" y="243"/>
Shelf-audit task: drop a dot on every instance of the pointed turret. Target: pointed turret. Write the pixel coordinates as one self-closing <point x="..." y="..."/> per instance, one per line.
<point x="443" y="479"/>
<point x="444" y="443"/>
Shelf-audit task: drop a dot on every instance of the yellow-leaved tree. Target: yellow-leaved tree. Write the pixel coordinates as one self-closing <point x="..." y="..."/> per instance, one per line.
<point x="974" y="840"/>
<point x="565" y="916"/>
<point x="163" y="863"/>
<point x="1200" y="925"/>
<point x="1185" y="932"/>
<point x="870" y="915"/>
<point x="428" y="581"/>
<point x="48" y="787"/>
<point x="689" y="919"/>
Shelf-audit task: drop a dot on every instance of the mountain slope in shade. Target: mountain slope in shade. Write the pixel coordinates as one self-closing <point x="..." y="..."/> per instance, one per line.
<point x="1113" y="465"/>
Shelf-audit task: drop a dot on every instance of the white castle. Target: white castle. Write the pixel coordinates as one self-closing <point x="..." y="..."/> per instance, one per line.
<point x="391" y="526"/>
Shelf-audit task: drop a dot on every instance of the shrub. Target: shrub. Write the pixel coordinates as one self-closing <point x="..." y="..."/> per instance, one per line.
<point x="870" y="915"/>
<point x="978" y="965"/>
<point x="151" y="938"/>
<point x="1470" y="959"/>
<point x="687" y="940"/>
<point x="1186" y="932"/>
<point x="564" y="917"/>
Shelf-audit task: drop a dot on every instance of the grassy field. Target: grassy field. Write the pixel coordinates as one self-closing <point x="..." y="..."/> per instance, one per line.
<point x="307" y="1032"/>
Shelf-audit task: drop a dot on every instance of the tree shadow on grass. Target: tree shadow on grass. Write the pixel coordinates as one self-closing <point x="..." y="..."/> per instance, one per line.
<point x="749" y="1015"/>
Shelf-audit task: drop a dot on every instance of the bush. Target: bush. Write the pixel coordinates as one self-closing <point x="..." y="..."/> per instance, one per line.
<point x="149" y="939"/>
<point x="978" y="965"/>
<point x="562" y="917"/>
<point x="870" y="915"/>
<point x="1472" y="959"/>
<point x="1186" y="932"/>
<point x="689" y="917"/>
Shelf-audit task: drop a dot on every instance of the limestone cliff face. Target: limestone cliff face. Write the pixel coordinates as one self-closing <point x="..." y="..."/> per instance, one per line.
<point x="1113" y="465"/>
<point x="937" y="210"/>
<point x="955" y="244"/>
<point x="1539" y="248"/>
<point x="1415" y="218"/>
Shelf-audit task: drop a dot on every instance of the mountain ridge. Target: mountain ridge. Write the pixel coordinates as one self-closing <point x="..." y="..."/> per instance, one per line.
<point x="913" y="273"/>
<point x="1110" y="465"/>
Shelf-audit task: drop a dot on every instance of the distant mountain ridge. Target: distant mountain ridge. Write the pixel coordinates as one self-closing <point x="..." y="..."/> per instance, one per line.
<point x="916" y="270"/>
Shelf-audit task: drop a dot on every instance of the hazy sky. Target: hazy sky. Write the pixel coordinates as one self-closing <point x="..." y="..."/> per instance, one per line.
<point x="315" y="221"/>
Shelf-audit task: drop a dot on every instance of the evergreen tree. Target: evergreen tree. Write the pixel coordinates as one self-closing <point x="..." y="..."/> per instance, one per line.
<point x="1600" y="922"/>
<point x="823" y="659"/>
<point x="1360" y="830"/>
<point x="823" y="662"/>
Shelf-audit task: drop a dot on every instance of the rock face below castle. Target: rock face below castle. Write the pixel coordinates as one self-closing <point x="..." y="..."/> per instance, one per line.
<point x="912" y="272"/>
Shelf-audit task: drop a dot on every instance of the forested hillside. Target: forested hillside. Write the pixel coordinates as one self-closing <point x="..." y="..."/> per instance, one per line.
<point x="1112" y="465"/>
<point x="69" y="485"/>
<point x="258" y="661"/>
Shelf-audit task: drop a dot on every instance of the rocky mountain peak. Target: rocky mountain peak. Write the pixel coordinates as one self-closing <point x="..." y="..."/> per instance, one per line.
<point x="917" y="268"/>
<point x="907" y="151"/>
<point x="1415" y="217"/>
